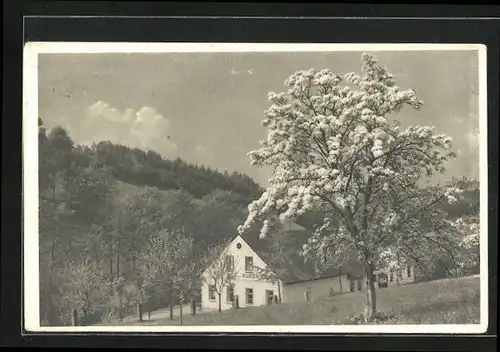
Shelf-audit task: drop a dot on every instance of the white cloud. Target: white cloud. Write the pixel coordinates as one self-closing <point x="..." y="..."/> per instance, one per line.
<point x="201" y="149"/>
<point x="145" y="128"/>
<point x="472" y="138"/>
<point x="249" y="71"/>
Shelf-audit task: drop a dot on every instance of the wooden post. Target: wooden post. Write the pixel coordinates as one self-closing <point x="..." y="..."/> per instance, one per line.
<point x="171" y="311"/>
<point x="307" y="296"/>
<point x="193" y="307"/>
<point x="236" y="301"/>
<point x="74" y="317"/>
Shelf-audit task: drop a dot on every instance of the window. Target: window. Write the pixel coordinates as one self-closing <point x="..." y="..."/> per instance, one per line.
<point x="400" y="274"/>
<point x="408" y="271"/>
<point x="211" y="292"/>
<point x="360" y="285"/>
<point x="248" y="263"/>
<point x="249" y="295"/>
<point x="229" y="262"/>
<point x="382" y="280"/>
<point x="352" y="286"/>
<point x="230" y="293"/>
<point x="269" y="297"/>
<point x="391" y="276"/>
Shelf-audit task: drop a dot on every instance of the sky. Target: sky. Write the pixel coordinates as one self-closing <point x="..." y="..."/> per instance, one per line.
<point x="207" y="107"/>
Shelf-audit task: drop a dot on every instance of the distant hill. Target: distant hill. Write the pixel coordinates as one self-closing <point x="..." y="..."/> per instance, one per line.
<point x="139" y="167"/>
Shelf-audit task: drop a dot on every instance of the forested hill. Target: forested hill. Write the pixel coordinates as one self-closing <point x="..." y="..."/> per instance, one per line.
<point x="90" y="182"/>
<point x="141" y="167"/>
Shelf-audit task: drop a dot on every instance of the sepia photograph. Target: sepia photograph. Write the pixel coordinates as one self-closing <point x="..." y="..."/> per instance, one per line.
<point x="235" y="187"/>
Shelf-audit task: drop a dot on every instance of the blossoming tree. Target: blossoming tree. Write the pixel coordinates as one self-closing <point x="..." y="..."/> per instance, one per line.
<point x="221" y="273"/>
<point x="468" y="261"/>
<point x="334" y="146"/>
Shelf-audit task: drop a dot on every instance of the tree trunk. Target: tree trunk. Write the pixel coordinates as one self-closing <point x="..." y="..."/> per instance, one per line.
<point x="74" y="317"/>
<point x="139" y="312"/>
<point x="133" y="263"/>
<point x="279" y="291"/>
<point x="220" y="302"/>
<point x="110" y="250"/>
<point x="180" y="310"/>
<point x="52" y="260"/>
<point x="120" y="309"/>
<point x="171" y="311"/>
<point x="120" y="300"/>
<point x="340" y="279"/>
<point x="48" y="298"/>
<point x="371" y="298"/>
<point x="118" y="258"/>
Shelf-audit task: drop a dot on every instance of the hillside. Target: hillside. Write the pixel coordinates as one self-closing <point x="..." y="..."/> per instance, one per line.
<point x="148" y="168"/>
<point x="448" y="301"/>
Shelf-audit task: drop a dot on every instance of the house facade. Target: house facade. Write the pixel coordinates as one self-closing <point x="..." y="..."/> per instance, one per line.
<point x="248" y="288"/>
<point x="396" y="277"/>
<point x="316" y="288"/>
<point x="343" y="283"/>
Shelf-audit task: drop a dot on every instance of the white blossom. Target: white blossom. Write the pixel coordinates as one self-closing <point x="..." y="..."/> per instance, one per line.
<point x="334" y="147"/>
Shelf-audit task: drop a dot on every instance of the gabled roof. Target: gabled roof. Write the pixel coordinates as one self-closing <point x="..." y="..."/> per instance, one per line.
<point x="297" y="269"/>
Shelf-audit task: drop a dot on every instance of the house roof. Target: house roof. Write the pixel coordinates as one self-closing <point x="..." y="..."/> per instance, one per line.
<point x="297" y="270"/>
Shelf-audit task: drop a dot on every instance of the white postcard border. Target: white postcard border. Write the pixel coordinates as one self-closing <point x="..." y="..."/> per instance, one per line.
<point x="30" y="258"/>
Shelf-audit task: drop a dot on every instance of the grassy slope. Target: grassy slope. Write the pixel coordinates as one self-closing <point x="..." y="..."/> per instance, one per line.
<point x="452" y="301"/>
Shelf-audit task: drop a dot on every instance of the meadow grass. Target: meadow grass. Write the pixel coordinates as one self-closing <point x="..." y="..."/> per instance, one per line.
<point x="450" y="301"/>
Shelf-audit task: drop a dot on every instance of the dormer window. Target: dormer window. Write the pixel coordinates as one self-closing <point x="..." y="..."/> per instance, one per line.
<point x="248" y="263"/>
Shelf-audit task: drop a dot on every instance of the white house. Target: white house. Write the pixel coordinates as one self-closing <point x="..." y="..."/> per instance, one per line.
<point x="249" y="288"/>
<point x="336" y="282"/>
<point x="329" y="283"/>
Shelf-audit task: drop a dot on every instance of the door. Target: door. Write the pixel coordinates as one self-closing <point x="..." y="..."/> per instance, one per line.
<point x="269" y="297"/>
